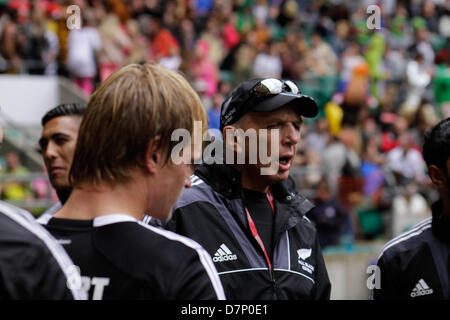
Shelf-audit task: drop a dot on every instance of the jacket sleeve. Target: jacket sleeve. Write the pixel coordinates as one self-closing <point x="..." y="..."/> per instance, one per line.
<point x="322" y="289"/>
<point x="389" y="284"/>
<point x="186" y="221"/>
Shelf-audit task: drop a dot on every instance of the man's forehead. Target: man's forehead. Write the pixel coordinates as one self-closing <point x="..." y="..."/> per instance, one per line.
<point x="68" y="123"/>
<point x="286" y="113"/>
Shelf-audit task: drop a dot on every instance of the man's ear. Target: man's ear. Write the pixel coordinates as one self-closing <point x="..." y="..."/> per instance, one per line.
<point x="437" y="176"/>
<point x="153" y="155"/>
<point x="230" y="138"/>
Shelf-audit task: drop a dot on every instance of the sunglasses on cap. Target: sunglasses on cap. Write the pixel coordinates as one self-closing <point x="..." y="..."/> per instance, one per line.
<point x="264" y="95"/>
<point x="272" y="86"/>
<point x="262" y="89"/>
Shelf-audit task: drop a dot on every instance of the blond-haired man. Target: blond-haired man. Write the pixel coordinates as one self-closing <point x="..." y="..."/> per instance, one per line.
<point x="121" y="169"/>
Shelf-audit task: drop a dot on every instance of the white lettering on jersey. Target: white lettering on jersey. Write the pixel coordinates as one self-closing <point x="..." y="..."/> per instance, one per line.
<point x="99" y="284"/>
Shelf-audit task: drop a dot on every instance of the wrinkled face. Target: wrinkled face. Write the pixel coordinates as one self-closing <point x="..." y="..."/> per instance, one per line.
<point x="288" y="123"/>
<point x="58" y="142"/>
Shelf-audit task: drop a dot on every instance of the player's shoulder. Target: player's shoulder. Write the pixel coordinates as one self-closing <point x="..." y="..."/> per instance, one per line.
<point x="19" y="227"/>
<point x="14" y="213"/>
<point x="407" y="241"/>
<point x="169" y="238"/>
<point x="140" y="237"/>
<point x="143" y="251"/>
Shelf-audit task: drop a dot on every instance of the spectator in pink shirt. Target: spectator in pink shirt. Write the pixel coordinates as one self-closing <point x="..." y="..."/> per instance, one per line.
<point x="203" y="69"/>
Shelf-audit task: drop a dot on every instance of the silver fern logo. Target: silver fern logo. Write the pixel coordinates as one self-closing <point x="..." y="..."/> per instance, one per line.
<point x="304" y="253"/>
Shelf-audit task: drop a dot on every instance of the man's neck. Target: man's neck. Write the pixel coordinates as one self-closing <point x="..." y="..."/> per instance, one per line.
<point x="253" y="183"/>
<point x="87" y="202"/>
<point x="445" y="213"/>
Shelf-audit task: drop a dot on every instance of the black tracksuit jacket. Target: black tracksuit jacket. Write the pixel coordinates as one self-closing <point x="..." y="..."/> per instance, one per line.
<point x="212" y="213"/>
<point x="416" y="264"/>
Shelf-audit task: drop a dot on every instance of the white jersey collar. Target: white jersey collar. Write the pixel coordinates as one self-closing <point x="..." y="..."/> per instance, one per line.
<point x="113" y="218"/>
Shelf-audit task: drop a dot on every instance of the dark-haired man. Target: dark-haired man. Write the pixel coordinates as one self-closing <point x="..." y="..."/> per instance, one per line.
<point x="60" y="127"/>
<point x="416" y="264"/>
<point x="32" y="264"/>
<point x="58" y="140"/>
<point x="247" y="214"/>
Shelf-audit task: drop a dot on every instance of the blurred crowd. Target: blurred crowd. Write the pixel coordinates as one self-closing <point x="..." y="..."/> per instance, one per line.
<point x="22" y="186"/>
<point x="379" y="89"/>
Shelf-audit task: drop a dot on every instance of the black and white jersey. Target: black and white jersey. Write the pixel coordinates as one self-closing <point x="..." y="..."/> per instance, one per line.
<point x="57" y="206"/>
<point x="32" y="263"/>
<point x="122" y="258"/>
<point x="416" y="264"/>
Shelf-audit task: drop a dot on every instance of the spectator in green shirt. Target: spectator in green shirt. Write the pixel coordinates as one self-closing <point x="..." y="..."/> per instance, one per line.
<point x="442" y="85"/>
<point x="14" y="190"/>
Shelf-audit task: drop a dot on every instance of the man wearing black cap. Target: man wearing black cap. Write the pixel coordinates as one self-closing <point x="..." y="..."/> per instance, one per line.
<point x="252" y="223"/>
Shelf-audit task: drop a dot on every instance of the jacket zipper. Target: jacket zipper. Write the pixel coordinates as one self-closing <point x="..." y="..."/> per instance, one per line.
<point x="274" y="284"/>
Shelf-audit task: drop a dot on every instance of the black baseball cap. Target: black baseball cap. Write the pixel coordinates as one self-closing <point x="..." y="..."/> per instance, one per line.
<point x="264" y="95"/>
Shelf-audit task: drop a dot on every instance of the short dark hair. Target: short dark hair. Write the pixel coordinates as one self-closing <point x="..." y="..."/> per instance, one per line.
<point x="64" y="109"/>
<point x="436" y="146"/>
